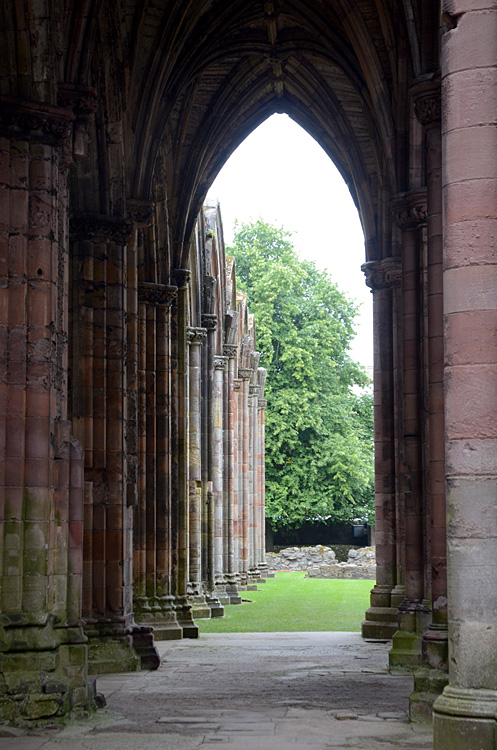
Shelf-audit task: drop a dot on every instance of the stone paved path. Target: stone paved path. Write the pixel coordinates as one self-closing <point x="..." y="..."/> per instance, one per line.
<point x="257" y="691"/>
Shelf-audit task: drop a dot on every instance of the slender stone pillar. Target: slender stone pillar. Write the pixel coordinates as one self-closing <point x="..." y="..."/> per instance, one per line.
<point x="220" y="366"/>
<point x="209" y="321"/>
<point x="152" y="532"/>
<point x="43" y="659"/>
<point x="465" y="714"/>
<point x="99" y="400"/>
<point x="180" y="495"/>
<point x="432" y="677"/>
<point x="237" y="542"/>
<point x="230" y="351"/>
<point x="243" y="498"/>
<point x="261" y="474"/>
<point x="195" y="338"/>
<point x="410" y="215"/>
<point x="381" y="617"/>
<point x="254" y="391"/>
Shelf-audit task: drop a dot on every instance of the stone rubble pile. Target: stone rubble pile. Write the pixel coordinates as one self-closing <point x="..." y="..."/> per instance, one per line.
<point x="321" y="562"/>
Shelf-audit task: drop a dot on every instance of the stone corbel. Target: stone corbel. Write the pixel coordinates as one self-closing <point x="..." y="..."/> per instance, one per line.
<point x="220" y="362"/>
<point x="34" y="122"/>
<point x="181" y="276"/>
<point x="409" y="210"/>
<point x="156" y="294"/>
<point x="141" y="212"/>
<point x="195" y="336"/>
<point x="209" y="321"/>
<point x="245" y="373"/>
<point x="101" y="228"/>
<point x="383" y="274"/>
<point x="82" y="101"/>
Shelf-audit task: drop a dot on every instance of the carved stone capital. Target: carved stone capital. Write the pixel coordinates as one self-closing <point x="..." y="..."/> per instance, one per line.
<point x="181" y="276"/>
<point x="101" y="228"/>
<point x="383" y="274"/>
<point x="245" y="373"/>
<point x="230" y="351"/>
<point x="262" y="403"/>
<point x="82" y="100"/>
<point x="141" y="212"/>
<point x="254" y="390"/>
<point x="195" y="336"/>
<point x="237" y="384"/>
<point x="220" y="363"/>
<point x="156" y="294"/>
<point x="34" y="122"/>
<point x="209" y="321"/>
<point x="410" y="209"/>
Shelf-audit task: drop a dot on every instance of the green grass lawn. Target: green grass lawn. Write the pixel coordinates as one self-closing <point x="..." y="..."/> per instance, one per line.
<point x="291" y="602"/>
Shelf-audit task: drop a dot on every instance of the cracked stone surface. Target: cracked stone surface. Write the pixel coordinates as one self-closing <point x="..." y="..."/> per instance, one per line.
<point x="250" y="691"/>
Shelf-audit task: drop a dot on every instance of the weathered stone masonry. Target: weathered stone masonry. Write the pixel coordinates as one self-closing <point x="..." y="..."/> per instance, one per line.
<point x="132" y="406"/>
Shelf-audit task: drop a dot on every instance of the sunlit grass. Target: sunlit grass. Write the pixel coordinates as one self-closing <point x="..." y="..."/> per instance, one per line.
<point x="291" y="603"/>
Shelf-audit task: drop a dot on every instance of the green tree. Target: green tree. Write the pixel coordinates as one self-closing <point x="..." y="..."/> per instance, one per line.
<point x="319" y="428"/>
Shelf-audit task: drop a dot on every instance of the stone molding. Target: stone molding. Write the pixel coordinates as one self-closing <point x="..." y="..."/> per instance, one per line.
<point x="34" y="122"/>
<point x="101" y="228"/>
<point x="220" y="363"/>
<point x="383" y="274"/>
<point x="82" y="100"/>
<point x="245" y="373"/>
<point x="156" y="294"/>
<point x="195" y="336"/>
<point x="409" y="210"/>
<point x="209" y="321"/>
<point x="141" y="212"/>
<point x="230" y="351"/>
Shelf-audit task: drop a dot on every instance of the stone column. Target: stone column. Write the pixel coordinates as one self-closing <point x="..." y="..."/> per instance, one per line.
<point x="243" y="456"/>
<point x="254" y="391"/>
<point x="230" y="476"/>
<point x="261" y="474"/>
<point x="409" y="212"/>
<point x="180" y="496"/>
<point x="220" y="365"/>
<point x="153" y="600"/>
<point x="381" y="617"/>
<point x="431" y="678"/>
<point x="43" y="659"/>
<point x="237" y="543"/>
<point x="209" y="321"/>
<point x="99" y="415"/>
<point x="465" y="714"/>
<point x="195" y="338"/>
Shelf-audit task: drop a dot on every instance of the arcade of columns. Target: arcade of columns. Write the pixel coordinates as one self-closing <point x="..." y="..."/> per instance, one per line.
<point x="131" y="399"/>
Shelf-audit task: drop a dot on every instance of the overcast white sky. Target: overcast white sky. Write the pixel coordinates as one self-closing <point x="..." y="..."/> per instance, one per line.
<point x="280" y="173"/>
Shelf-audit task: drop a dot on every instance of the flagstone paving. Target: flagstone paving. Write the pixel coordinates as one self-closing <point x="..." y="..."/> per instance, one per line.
<point x="250" y="691"/>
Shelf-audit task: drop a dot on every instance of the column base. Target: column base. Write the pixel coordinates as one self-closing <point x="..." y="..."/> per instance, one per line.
<point x="428" y="685"/>
<point x="232" y="589"/>
<point x="46" y="685"/>
<point x="184" y="617"/>
<point x="110" y="647"/>
<point x="161" y="616"/>
<point x="414" y="618"/>
<point x="406" y="651"/>
<point x="143" y="643"/>
<point x="381" y="619"/>
<point x="197" y="600"/>
<point x="215" y="606"/>
<point x="465" y="719"/>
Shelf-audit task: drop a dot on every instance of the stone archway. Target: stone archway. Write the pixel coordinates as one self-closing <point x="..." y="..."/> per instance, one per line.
<point x="121" y="116"/>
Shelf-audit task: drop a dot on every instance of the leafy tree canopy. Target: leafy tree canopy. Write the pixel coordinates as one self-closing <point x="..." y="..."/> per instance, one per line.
<point x="319" y="430"/>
